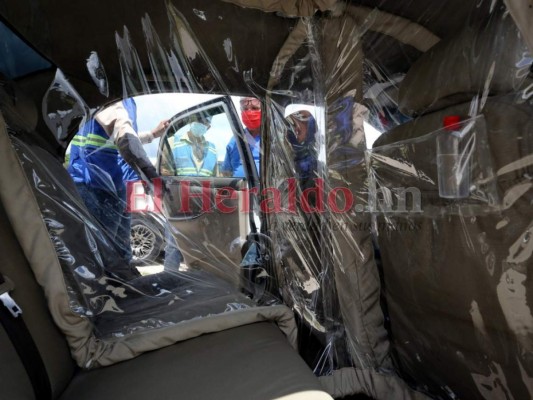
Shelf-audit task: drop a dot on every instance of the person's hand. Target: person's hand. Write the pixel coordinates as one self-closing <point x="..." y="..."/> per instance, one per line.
<point x="160" y="128"/>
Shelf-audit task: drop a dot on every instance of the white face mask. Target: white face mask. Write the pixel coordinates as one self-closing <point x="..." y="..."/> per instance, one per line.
<point x="198" y="129"/>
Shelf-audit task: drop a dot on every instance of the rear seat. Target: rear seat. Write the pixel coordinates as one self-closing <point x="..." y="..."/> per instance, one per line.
<point x="250" y="362"/>
<point x="253" y="361"/>
<point x="30" y="297"/>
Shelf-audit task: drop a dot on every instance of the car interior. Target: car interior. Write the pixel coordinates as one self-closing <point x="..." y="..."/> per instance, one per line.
<point x="376" y="245"/>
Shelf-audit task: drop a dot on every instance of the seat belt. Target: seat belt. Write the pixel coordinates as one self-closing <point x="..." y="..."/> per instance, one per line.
<point x="20" y="337"/>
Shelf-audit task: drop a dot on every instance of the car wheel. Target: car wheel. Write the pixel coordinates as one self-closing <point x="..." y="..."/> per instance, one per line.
<point x="146" y="240"/>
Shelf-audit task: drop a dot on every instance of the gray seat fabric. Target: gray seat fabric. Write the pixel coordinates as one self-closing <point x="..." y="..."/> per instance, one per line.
<point x="458" y="289"/>
<point x="245" y="363"/>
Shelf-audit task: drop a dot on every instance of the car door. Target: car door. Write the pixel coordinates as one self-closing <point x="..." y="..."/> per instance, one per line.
<point x="209" y="214"/>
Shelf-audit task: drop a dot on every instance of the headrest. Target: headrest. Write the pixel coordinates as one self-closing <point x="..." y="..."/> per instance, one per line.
<point x="18" y="109"/>
<point x="453" y="71"/>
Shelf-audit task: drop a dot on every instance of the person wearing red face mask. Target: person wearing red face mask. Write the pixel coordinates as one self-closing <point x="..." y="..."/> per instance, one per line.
<point x="251" y="118"/>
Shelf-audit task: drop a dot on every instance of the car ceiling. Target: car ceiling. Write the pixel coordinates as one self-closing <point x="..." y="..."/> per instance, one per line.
<point x="66" y="34"/>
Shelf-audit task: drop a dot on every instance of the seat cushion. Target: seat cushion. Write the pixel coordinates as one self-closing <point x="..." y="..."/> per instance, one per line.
<point x="249" y="362"/>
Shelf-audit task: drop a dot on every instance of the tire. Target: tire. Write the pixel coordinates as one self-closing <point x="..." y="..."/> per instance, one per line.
<point x="146" y="240"/>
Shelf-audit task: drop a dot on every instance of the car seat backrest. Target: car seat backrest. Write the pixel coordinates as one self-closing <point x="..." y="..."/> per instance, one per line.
<point x="106" y="317"/>
<point x="73" y="241"/>
<point x="457" y="287"/>
<point x="29" y="296"/>
<point x="492" y="58"/>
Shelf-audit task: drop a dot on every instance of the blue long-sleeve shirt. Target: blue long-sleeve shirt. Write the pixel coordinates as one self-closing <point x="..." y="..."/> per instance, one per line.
<point x="233" y="163"/>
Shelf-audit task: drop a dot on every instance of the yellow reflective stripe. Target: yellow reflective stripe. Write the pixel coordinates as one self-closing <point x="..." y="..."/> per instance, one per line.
<point x="99" y="144"/>
<point x="79" y="140"/>
<point x="91" y="137"/>
<point x="186" y="170"/>
<point x="93" y="140"/>
<point x="99" y="141"/>
<point x="96" y="137"/>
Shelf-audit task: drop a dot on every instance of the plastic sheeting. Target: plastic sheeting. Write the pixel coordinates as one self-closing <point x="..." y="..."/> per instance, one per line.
<point x="96" y="279"/>
<point x="406" y="265"/>
<point x="449" y="295"/>
<point x="445" y="172"/>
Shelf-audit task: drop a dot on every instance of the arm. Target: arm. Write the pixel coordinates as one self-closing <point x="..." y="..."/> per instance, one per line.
<point x="117" y="124"/>
<point x="148" y="136"/>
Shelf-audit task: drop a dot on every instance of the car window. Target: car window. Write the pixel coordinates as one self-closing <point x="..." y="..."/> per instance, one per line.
<point x="16" y="57"/>
<point x="199" y="144"/>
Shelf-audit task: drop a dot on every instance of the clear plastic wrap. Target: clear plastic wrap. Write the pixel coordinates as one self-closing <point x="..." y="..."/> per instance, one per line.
<point x="448" y="171"/>
<point x="401" y="243"/>
<point x="321" y="254"/>
<point x="450" y="268"/>
<point x="102" y="286"/>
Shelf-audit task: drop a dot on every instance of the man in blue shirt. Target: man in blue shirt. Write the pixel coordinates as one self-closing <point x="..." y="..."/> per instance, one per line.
<point x="251" y="117"/>
<point x="95" y="166"/>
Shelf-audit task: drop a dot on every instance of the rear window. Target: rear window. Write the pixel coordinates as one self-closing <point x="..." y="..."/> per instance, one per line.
<point x="16" y="57"/>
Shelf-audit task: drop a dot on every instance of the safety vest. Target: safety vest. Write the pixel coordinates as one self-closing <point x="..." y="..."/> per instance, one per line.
<point x="94" y="158"/>
<point x="182" y="151"/>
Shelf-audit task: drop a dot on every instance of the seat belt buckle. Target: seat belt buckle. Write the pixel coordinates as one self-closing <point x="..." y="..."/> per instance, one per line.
<point x="7" y="300"/>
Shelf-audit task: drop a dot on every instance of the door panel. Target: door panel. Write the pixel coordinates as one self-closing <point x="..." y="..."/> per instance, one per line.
<point x="208" y="235"/>
<point x="209" y="215"/>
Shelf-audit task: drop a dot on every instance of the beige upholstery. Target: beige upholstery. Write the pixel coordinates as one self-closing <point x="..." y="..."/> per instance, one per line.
<point x="443" y="281"/>
<point x="522" y="12"/>
<point x="246" y="363"/>
<point x="88" y="349"/>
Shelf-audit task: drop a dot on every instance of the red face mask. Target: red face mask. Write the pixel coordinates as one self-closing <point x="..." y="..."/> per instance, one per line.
<point x="251" y="119"/>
